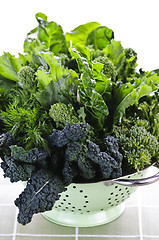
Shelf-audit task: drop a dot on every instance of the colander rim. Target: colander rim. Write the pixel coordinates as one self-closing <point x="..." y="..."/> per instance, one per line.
<point x="114" y="179"/>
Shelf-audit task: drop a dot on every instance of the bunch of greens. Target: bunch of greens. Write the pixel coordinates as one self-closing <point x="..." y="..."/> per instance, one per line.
<point x="73" y="108"/>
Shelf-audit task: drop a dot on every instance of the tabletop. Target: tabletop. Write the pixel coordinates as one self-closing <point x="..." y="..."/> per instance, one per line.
<point x="140" y="220"/>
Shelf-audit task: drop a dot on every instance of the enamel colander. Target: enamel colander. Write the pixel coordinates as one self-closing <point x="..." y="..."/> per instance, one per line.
<point x="93" y="204"/>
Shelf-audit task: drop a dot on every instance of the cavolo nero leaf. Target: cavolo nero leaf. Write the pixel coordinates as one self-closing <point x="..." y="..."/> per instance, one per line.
<point x="40" y="194"/>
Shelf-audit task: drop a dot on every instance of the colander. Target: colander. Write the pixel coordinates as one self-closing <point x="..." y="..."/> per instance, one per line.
<point x="93" y="204"/>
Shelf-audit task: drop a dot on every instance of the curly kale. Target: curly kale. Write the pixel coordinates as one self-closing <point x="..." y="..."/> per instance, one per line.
<point x="73" y="133"/>
<point x="40" y="194"/>
<point x="5" y="140"/>
<point x="109" y="166"/>
<point x="62" y="113"/>
<point x="112" y="147"/>
<point x="20" y="164"/>
<point x="109" y="69"/>
<point x="138" y="145"/>
<point x="16" y="171"/>
<point x="72" y="157"/>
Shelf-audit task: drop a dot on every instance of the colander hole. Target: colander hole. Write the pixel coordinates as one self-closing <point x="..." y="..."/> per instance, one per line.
<point x="88" y="211"/>
<point x="69" y="203"/>
<point x="86" y="202"/>
<point x="128" y="176"/>
<point x="74" y="186"/>
<point x="67" y="196"/>
<point x="109" y="199"/>
<point x="120" y="189"/>
<point x="109" y="203"/>
<point x="122" y="193"/>
<point x="59" y="205"/>
<point x="112" y="193"/>
<point x="84" y="206"/>
<point x="81" y="191"/>
<point x="62" y="203"/>
<point x="116" y="186"/>
<point x="64" y="210"/>
<point x="64" y="200"/>
<point x="79" y="209"/>
<point x="126" y="188"/>
<point x="72" y="210"/>
<point x="116" y="195"/>
<point x="112" y="205"/>
<point x="73" y="207"/>
<point x="85" y="196"/>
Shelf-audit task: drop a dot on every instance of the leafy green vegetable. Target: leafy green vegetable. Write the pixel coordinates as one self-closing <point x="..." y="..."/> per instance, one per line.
<point x="80" y="34"/>
<point x="74" y="107"/>
<point x="9" y="66"/>
<point x="50" y="35"/>
<point x="100" y="37"/>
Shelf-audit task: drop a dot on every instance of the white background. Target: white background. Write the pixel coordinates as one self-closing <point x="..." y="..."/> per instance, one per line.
<point x="135" y="23"/>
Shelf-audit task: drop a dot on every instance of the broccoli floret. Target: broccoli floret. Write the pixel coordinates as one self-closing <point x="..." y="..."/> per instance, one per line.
<point x="138" y="145"/>
<point x="26" y="76"/>
<point x="109" y="69"/>
<point x="61" y="114"/>
<point x="130" y="54"/>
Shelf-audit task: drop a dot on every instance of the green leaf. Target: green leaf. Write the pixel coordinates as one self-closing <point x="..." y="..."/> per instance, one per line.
<point x="56" y="71"/>
<point x="9" y="66"/>
<point x="62" y="90"/>
<point x="115" y="52"/>
<point x="128" y="94"/>
<point x="47" y="36"/>
<point x="100" y="37"/>
<point x="6" y="84"/>
<point x="89" y="97"/>
<point x="80" y="34"/>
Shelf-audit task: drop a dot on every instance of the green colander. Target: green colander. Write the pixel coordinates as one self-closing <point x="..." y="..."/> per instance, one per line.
<point x="93" y="204"/>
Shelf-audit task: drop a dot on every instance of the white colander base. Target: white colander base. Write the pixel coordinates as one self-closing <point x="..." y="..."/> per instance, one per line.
<point x="84" y="220"/>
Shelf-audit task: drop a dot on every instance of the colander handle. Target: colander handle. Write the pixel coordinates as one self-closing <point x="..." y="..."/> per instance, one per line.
<point x="138" y="182"/>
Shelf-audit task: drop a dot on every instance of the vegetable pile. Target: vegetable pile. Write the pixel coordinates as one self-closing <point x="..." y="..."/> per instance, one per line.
<point x="74" y="108"/>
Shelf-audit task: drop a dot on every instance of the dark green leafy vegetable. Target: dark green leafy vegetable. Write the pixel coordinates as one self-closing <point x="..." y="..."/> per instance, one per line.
<point x="74" y="108"/>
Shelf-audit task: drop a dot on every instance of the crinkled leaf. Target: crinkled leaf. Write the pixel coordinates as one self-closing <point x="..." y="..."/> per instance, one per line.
<point x="40" y="194"/>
